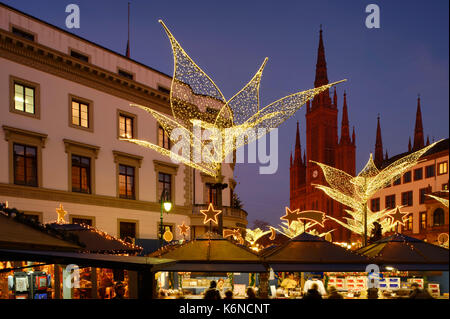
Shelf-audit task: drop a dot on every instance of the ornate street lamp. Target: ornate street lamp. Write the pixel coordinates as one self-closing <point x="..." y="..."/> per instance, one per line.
<point x="166" y="205"/>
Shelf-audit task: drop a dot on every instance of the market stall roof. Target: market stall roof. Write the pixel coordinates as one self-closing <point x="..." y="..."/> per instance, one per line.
<point x="311" y="253"/>
<point x="407" y="254"/>
<point x="211" y="253"/>
<point x="19" y="232"/>
<point x="87" y="259"/>
<point x="96" y="241"/>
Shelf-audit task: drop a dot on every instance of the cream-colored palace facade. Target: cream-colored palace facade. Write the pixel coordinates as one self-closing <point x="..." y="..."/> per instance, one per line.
<point x="64" y="103"/>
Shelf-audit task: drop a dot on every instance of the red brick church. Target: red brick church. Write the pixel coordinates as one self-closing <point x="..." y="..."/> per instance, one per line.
<point x="322" y="145"/>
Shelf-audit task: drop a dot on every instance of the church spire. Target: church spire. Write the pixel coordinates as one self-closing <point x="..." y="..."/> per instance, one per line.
<point x="378" y="145"/>
<point x="345" y="132"/>
<point x="353" y="136"/>
<point x="335" y="98"/>
<point x="418" y="130"/>
<point x="409" y="145"/>
<point x="321" y="65"/>
<point x="298" y="147"/>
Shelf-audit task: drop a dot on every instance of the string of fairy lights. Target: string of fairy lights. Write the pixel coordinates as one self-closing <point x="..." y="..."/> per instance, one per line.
<point x="223" y="125"/>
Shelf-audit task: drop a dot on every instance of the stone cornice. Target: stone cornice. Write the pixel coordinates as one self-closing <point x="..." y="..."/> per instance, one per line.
<point x="46" y="59"/>
<point x="59" y="196"/>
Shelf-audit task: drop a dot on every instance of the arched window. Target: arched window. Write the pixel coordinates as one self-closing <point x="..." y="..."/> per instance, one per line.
<point x="438" y="217"/>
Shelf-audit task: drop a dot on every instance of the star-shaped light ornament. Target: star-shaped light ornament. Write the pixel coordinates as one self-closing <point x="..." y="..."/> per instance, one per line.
<point x="198" y="105"/>
<point x="61" y="213"/>
<point x="210" y="214"/>
<point x="184" y="229"/>
<point x="398" y="217"/>
<point x="291" y="216"/>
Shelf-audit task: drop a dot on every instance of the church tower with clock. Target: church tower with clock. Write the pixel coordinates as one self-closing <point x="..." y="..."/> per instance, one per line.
<point x="322" y="145"/>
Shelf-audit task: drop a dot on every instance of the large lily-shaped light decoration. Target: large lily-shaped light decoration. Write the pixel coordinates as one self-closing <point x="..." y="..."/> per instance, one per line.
<point x="210" y="123"/>
<point x="355" y="192"/>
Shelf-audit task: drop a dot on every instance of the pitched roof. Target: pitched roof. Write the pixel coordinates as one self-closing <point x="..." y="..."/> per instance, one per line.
<point x="17" y="232"/>
<point x="407" y="253"/>
<point x="308" y="249"/>
<point x="96" y="241"/>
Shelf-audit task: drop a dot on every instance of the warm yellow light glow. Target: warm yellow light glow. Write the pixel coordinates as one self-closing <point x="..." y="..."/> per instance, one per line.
<point x="168" y="236"/>
<point x="443" y="201"/>
<point x="184" y="229"/>
<point x="355" y="192"/>
<point x="61" y="213"/>
<point x="167" y="206"/>
<point x="210" y="214"/>
<point x="196" y="100"/>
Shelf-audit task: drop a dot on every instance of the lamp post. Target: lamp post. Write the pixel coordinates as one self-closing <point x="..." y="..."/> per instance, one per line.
<point x="166" y="205"/>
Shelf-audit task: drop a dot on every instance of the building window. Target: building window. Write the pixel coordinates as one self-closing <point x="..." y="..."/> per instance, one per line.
<point x="429" y="171"/>
<point x="81" y="174"/>
<point x="375" y="204"/>
<point x="422" y="195"/>
<point x="407" y="198"/>
<point x="213" y="195"/>
<point x="163" y="89"/>
<point x="126" y="182"/>
<point x="165" y="228"/>
<point x="24" y="97"/>
<point x="79" y="56"/>
<point x="163" y="138"/>
<point x="165" y="183"/>
<point x="36" y="217"/>
<point x="22" y="33"/>
<point x="126" y="126"/>
<point x="125" y="74"/>
<point x="438" y="217"/>
<point x="398" y="181"/>
<point x="390" y="201"/>
<point x="25" y="165"/>
<point x="407" y="177"/>
<point x="127" y="230"/>
<point x="24" y="156"/>
<point x="423" y="220"/>
<point x="418" y="174"/>
<point x="409" y="222"/>
<point x="442" y="168"/>
<point x="80" y="114"/>
<point x="82" y="220"/>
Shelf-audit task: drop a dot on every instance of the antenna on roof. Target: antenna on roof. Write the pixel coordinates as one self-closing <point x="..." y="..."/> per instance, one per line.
<point x="128" y="42"/>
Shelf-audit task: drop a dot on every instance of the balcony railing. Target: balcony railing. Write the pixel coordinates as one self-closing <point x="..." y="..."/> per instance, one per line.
<point x="227" y="211"/>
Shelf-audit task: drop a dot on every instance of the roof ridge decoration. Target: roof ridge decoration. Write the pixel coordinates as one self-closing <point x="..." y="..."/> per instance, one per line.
<point x="196" y="101"/>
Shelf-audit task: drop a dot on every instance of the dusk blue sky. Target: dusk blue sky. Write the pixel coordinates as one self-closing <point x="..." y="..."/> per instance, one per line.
<point x="386" y="68"/>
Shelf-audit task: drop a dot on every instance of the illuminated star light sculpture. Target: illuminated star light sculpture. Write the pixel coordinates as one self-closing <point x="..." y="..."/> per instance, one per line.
<point x="397" y="216"/>
<point x="61" y="213"/>
<point x="355" y="192"/>
<point x="210" y="214"/>
<point x="183" y="229"/>
<point x="196" y="101"/>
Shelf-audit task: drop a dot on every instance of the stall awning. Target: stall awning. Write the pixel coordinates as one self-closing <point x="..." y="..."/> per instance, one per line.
<point x="407" y="254"/>
<point x="87" y="260"/>
<point x="318" y="267"/>
<point x="214" y="267"/>
<point x="211" y="253"/>
<point x="311" y="253"/>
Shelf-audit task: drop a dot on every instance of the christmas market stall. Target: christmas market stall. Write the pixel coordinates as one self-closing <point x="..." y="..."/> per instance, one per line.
<point x="36" y="260"/>
<point x="307" y="259"/>
<point x="209" y="257"/>
<point x="410" y="260"/>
